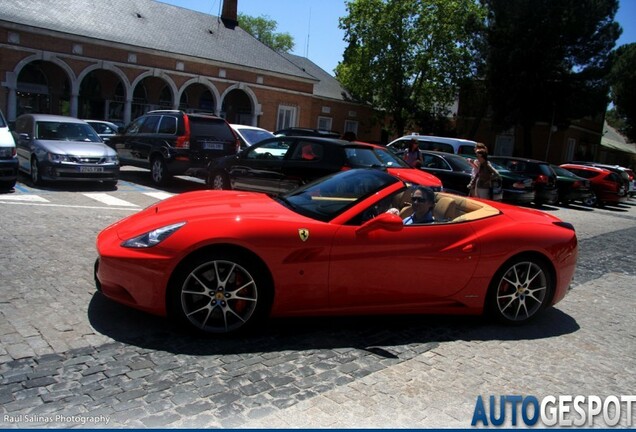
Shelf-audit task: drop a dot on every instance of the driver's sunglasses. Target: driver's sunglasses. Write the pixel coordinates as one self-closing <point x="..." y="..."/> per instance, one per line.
<point x="418" y="199"/>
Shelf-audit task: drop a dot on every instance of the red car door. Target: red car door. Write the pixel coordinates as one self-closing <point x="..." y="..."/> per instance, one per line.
<point x="419" y="264"/>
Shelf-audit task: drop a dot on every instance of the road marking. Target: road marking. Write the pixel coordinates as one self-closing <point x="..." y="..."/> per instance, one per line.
<point x="109" y="200"/>
<point x="159" y="195"/>
<point x="27" y="198"/>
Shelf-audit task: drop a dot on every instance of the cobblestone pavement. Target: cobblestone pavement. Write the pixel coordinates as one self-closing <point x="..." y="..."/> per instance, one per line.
<point x="70" y="358"/>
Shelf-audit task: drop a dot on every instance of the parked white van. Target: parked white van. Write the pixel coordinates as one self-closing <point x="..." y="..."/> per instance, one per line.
<point x="8" y="157"/>
<point x="430" y="142"/>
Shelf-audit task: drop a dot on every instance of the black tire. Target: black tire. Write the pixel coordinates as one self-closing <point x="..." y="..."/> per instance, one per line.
<point x="520" y="289"/>
<point x="159" y="171"/>
<point x="591" y="200"/>
<point x="7" y="185"/>
<point x="219" y="293"/>
<point x="219" y="181"/>
<point x="36" y="175"/>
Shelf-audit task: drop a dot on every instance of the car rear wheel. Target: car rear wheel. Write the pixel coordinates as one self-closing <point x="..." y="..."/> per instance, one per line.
<point x="219" y="294"/>
<point x="219" y="181"/>
<point x="591" y="200"/>
<point x="159" y="171"/>
<point x="519" y="290"/>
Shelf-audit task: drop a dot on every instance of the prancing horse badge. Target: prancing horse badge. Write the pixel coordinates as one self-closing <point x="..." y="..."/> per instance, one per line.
<point x="303" y="233"/>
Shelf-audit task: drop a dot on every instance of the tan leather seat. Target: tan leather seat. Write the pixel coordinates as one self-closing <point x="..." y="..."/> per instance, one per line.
<point x="445" y="209"/>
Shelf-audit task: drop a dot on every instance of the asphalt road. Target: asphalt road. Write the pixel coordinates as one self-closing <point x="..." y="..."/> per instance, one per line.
<point x="71" y="358"/>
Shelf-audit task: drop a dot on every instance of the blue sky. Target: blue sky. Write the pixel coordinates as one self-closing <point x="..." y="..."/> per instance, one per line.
<point x="314" y="23"/>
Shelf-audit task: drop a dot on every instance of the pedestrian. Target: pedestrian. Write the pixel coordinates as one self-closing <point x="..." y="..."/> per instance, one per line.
<point x="480" y="185"/>
<point x="412" y="156"/>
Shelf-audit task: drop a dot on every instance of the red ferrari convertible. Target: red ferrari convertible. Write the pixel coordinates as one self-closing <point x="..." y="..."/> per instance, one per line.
<point x="220" y="261"/>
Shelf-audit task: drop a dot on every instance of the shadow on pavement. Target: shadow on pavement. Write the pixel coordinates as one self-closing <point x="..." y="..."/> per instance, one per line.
<point x="375" y="334"/>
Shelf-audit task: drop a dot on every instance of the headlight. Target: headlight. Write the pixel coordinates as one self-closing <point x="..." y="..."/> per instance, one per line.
<point x="153" y="237"/>
<point x="58" y="158"/>
<point x="111" y="160"/>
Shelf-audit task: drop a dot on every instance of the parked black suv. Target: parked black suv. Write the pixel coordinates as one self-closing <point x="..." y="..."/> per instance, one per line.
<point x="171" y="142"/>
<point x="544" y="178"/>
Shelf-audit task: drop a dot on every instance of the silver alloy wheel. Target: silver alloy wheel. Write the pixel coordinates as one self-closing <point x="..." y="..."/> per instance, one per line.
<point x="158" y="170"/>
<point x="218" y="182"/>
<point x="521" y="292"/>
<point x="590" y="201"/>
<point x="219" y="296"/>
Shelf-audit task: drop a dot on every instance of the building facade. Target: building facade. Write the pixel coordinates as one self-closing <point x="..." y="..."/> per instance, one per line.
<point x="117" y="59"/>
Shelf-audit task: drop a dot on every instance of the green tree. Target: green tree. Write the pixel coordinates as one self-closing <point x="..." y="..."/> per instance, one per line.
<point x="264" y="29"/>
<point x="623" y="88"/>
<point x="407" y="57"/>
<point x="548" y="61"/>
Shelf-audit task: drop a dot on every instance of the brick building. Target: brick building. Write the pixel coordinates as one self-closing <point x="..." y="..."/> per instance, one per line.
<point x="116" y="59"/>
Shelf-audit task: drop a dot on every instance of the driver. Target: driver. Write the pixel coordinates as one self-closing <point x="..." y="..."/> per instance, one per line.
<point x="423" y="201"/>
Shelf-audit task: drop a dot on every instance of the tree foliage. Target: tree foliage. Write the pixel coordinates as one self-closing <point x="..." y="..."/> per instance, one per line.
<point x="623" y="88"/>
<point x="407" y="57"/>
<point x="548" y="60"/>
<point x="264" y="29"/>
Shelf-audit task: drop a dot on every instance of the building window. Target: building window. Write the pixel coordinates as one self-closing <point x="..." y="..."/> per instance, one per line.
<point x="286" y="117"/>
<point x="571" y="146"/>
<point x="351" y="126"/>
<point x="324" y="123"/>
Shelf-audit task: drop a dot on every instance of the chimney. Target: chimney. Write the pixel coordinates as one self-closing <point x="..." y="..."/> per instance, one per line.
<point x="229" y="14"/>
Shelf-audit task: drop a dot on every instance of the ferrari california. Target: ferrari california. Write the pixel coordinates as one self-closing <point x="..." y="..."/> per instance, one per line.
<point x="220" y="261"/>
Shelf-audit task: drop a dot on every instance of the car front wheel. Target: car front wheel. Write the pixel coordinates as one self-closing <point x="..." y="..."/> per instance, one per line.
<point x="519" y="290"/>
<point x="36" y="176"/>
<point x="219" y="294"/>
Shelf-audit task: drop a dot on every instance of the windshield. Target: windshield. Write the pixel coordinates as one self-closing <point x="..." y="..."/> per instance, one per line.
<point x="366" y="157"/>
<point x="325" y="198"/>
<point x="253" y="136"/>
<point x="60" y="131"/>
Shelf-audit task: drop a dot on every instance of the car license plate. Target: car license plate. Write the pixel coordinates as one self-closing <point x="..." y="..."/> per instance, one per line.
<point x="91" y="169"/>
<point x="212" y="146"/>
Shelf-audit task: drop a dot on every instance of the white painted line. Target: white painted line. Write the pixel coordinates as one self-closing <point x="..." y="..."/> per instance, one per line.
<point x="159" y="195"/>
<point x="109" y="200"/>
<point x="24" y="198"/>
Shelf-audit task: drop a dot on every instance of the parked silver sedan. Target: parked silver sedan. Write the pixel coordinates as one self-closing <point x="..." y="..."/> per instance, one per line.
<point x="59" y="148"/>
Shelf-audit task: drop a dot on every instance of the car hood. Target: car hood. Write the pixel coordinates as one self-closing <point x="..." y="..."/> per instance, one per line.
<point x="413" y="175"/>
<point x="77" y="148"/>
<point x="208" y="206"/>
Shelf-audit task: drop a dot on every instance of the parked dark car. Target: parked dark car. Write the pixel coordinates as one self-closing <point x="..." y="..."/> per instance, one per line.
<point x="544" y="178"/>
<point x="280" y="164"/>
<point x="8" y="157"/>
<point x="105" y="129"/>
<point x="515" y="188"/>
<point x="298" y="131"/>
<point x="607" y="186"/>
<point x="171" y="142"/>
<point x="453" y="170"/>
<point x="571" y="186"/>
<point x="59" y="148"/>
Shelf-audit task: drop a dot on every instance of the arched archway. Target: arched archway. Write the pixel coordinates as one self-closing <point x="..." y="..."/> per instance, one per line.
<point x="101" y="91"/>
<point x="238" y="105"/>
<point x="43" y="87"/>
<point x="199" y="94"/>
<point x="152" y="92"/>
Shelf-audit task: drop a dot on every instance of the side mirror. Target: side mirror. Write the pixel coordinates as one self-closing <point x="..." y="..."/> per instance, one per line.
<point x="383" y="221"/>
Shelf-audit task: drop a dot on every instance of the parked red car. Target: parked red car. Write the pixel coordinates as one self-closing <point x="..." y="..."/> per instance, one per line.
<point x="607" y="186"/>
